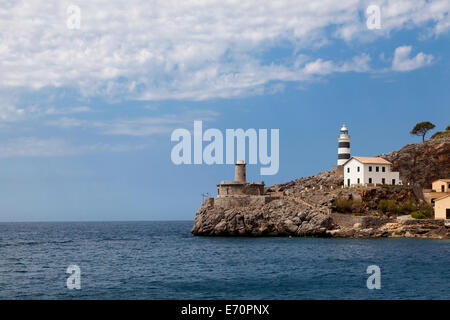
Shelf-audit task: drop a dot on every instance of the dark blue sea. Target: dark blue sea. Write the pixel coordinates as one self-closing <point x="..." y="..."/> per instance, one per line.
<point x="162" y="260"/>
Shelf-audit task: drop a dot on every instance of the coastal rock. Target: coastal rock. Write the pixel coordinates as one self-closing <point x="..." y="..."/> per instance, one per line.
<point x="282" y="217"/>
<point x="304" y="207"/>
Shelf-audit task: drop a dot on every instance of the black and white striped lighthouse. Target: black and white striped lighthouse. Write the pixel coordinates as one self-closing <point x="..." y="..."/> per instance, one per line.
<point x="343" y="146"/>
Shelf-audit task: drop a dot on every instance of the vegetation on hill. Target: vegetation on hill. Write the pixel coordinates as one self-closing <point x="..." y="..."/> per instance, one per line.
<point x="442" y="134"/>
<point x="387" y="206"/>
<point x="410" y="206"/>
<point x="421" y="129"/>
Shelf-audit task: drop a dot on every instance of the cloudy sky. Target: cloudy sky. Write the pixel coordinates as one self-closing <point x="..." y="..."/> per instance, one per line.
<point x="90" y="92"/>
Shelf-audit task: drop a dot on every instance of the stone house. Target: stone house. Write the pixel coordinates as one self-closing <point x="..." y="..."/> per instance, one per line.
<point x="439" y="189"/>
<point x="442" y="207"/>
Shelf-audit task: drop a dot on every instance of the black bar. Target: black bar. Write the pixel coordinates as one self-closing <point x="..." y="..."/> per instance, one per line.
<point x="343" y="156"/>
<point x="223" y="309"/>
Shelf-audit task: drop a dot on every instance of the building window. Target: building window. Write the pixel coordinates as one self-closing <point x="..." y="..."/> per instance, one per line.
<point x="383" y="169"/>
<point x="348" y="170"/>
<point x="377" y="169"/>
<point x="393" y="182"/>
<point x="370" y="180"/>
<point x="370" y="168"/>
<point x="358" y="169"/>
<point x="442" y="188"/>
<point x="348" y="182"/>
<point x="383" y="181"/>
<point x="358" y="179"/>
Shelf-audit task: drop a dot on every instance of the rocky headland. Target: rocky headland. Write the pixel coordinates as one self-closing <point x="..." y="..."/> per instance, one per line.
<point x="319" y="206"/>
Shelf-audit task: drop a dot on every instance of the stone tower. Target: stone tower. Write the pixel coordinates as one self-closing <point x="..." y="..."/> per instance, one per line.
<point x="239" y="172"/>
<point x="343" y="146"/>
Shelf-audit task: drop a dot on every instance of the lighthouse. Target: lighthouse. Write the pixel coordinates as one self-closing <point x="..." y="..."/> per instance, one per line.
<point x="239" y="172"/>
<point x="343" y="146"/>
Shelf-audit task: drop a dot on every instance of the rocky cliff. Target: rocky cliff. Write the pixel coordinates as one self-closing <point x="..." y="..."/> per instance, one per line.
<point x="306" y="206"/>
<point x="421" y="163"/>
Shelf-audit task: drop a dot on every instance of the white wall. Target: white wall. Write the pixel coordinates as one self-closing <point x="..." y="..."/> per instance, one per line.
<point x="353" y="175"/>
<point x="364" y="174"/>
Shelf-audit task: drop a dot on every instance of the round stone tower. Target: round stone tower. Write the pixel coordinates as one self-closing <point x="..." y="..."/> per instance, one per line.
<point x="343" y="146"/>
<point x="239" y="172"/>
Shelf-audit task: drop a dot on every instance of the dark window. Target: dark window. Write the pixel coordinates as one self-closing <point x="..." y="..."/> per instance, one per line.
<point x="442" y="188"/>
<point x="358" y="180"/>
<point x="383" y="169"/>
<point x="348" y="170"/>
<point x="370" y="168"/>
<point x="383" y="181"/>
<point x="447" y="213"/>
<point x="393" y="182"/>
<point x="377" y="169"/>
<point x="348" y="182"/>
<point x="370" y="180"/>
<point x="358" y="169"/>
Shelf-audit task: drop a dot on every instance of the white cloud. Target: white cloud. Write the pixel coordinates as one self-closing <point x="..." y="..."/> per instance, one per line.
<point x="320" y="67"/>
<point x="143" y="126"/>
<point x="67" y="110"/>
<point x="9" y="113"/>
<point x="170" y="49"/>
<point x="55" y="147"/>
<point x="402" y="61"/>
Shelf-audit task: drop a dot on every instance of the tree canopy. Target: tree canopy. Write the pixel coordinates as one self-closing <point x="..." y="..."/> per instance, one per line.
<point x="421" y="129"/>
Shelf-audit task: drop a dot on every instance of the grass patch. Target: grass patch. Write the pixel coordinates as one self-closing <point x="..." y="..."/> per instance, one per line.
<point x="418" y="215"/>
<point x="344" y="205"/>
<point x="407" y="207"/>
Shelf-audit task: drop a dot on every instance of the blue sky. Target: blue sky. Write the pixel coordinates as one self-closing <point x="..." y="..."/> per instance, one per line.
<point x="86" y="113"/>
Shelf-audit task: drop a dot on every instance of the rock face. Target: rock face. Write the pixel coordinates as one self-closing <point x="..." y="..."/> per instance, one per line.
<point x="285" y="217"/>
<point x="377" y="227"/>
<point x="420" y="164"/>
<point x="303" y="207"/>
<point x="282" y="217"/>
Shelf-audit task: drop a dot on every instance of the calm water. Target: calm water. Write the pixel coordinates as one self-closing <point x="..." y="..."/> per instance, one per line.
<point x="162" y="260"/>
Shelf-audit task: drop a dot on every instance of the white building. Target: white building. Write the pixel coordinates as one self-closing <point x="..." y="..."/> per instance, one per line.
<point x="369" y="170"/>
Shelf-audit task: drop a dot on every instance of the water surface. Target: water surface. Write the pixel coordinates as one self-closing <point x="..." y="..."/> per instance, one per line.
<point x="162" y="260"/>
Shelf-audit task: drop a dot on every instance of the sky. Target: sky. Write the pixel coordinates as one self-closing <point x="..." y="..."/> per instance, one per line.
<point x="91" y="91"/>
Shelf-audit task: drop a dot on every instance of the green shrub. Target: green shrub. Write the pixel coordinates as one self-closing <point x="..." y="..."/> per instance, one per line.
<point x="440" y="135"/>
<point x="391" y="206"/>
<point x="418" y="215"/>
<point x="426" y="210"/>
<point x="385" y="206"/>
<point x="343" y="205"/>
<point x="406" y="207"/>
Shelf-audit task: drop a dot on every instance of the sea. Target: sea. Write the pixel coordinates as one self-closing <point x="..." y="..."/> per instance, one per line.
<point x="163" y="260"/>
